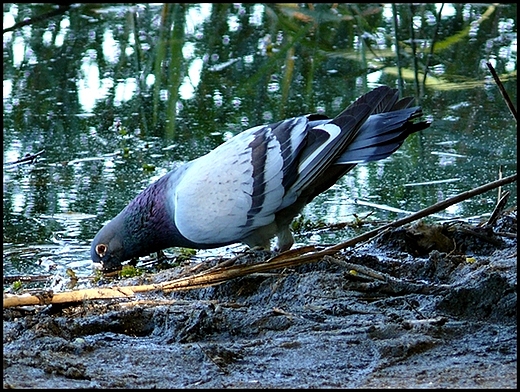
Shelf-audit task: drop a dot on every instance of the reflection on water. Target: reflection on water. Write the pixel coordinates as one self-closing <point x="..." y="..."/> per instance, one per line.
<point x="117" y="95"/>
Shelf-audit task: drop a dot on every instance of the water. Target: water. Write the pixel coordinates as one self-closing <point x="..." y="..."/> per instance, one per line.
<point x="115" y="105"/>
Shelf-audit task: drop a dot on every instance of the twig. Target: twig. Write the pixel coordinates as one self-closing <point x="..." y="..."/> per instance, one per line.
<point x="27" y="158"/>
<point x="429" y="210"/>
<point x="482" y="237"/>
<point x="62" y="8"/>
<point x="26" y="278"/>
<point x="498" y="209"/>
<point x="387" y="283"/>
<point x="504" y="234"/>
<point x="502" y="91"/>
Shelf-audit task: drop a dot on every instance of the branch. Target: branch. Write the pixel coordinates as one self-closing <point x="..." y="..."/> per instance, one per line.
<point x="221" y="274"/>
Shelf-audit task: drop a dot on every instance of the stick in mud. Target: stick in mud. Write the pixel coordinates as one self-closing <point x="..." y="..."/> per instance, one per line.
<point x="220" y="275"/>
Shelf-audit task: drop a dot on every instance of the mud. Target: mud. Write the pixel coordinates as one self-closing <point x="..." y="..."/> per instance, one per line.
<point x="431" y="319"/>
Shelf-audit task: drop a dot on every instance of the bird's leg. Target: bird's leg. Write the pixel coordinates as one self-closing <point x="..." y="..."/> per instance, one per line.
<point x="285" y="239"/>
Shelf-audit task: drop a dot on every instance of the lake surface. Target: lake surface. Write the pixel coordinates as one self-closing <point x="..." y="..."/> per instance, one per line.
<point x="114" y="96"/>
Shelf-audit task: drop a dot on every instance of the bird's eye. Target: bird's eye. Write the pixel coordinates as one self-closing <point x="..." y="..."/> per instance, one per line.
<point x="101" y="250"/>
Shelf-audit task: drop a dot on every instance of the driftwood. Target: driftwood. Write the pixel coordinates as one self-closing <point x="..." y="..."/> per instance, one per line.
<point x="222" y="273"/>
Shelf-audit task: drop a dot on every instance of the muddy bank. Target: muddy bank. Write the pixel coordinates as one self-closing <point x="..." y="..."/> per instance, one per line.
<point x="429" y="320"/>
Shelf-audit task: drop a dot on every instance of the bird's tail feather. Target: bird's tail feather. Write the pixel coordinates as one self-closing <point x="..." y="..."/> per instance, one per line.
<point x="363" y="139"/>
<point x="327" y="142"/>
<point x="381" y="135"/>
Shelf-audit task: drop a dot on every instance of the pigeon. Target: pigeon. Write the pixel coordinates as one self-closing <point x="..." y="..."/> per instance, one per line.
<point x="250" y="188"/>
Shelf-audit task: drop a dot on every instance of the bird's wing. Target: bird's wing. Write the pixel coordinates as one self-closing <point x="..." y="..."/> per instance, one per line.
<point x="327" y="139"/>
<point x="238" y="187"/>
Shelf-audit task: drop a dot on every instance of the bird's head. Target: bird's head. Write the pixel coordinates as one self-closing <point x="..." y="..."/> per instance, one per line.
<point x="141" y="228"/>
<point x="108" y="248"/>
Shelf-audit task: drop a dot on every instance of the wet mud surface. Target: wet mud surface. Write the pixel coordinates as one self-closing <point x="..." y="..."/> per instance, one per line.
<point x="434" y="319"/>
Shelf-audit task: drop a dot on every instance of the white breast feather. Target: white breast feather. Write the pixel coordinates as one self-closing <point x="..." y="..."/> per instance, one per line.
<point x="214" y="195"/>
